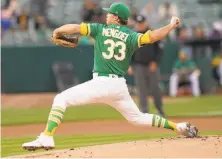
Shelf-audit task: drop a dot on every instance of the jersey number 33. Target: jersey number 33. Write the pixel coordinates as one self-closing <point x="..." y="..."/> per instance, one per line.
<point x="121" y="53"/>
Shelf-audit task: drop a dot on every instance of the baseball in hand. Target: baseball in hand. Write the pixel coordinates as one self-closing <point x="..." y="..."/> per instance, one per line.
<point x="175" y="21"/>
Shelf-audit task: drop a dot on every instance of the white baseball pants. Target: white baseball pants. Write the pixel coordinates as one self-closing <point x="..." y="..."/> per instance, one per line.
<point x="174" y="81"/>
<point x="108" y="90"/>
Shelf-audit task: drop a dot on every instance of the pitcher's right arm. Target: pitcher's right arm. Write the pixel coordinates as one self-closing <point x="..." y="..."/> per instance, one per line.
<point x="158" y="34"/>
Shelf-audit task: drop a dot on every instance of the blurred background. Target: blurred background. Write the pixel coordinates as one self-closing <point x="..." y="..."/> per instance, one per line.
<point x="30" y="62"/>
<point x="33" y="70"/>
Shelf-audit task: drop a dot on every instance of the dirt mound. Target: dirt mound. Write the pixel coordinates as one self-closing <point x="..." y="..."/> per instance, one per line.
<point x="205" y="147"/>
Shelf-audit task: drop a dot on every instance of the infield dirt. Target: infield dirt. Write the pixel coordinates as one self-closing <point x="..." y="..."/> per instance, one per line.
<point x="204" y="147"/>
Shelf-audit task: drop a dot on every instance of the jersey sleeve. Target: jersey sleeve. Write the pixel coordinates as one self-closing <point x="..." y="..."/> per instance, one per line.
<point x="138" y="39"/>
<point x="135" y="40"/>
<point x="145" y="38"/>
<point x="216" y="61"/>
<point x="89" y="29"/>
<point x="176" y="65"/>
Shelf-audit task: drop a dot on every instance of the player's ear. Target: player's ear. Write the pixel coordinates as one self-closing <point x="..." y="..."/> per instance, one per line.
<point x="116" y="17"/>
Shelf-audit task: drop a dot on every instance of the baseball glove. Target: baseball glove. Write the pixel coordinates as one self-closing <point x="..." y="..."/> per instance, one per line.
<point x="64" y="40"/>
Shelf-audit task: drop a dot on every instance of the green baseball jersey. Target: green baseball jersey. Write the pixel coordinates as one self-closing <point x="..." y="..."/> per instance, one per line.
<point x="186" y="64"/>
<point x="113" y="48"/>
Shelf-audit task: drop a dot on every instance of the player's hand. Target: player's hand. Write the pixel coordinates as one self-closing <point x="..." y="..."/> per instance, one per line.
<point x="55" y="34"/>
<point x="130" y="71"/>
<point x="153" y="66"/>
<point x="175" y="21"/>
<point x="197" y="72"/>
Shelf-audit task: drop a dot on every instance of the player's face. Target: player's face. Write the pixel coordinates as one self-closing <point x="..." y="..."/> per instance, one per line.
<point x="110" y="18"/>
<point x="183" y="57"/>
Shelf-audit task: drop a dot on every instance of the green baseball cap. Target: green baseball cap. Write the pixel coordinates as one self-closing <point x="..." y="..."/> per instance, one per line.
<point x="119" y="9"/>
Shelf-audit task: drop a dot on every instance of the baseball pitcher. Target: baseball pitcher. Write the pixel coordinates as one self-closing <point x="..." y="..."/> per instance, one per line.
<point x="114" y="46"/>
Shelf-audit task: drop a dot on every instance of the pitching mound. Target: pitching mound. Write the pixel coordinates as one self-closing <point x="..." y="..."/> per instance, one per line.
<point x="207" y="147"/>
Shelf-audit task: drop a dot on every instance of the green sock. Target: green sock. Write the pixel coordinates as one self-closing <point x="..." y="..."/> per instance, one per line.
<point x="158" y="121"/>
<point x="55" y="118"/>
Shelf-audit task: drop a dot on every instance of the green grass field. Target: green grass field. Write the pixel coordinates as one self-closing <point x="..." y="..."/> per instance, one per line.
<point x="12" y="146"/>
<point x="178" y="107"/>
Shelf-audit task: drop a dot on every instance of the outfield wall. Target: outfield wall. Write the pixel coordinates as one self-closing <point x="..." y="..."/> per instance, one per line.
<point x="29" y="69"/>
